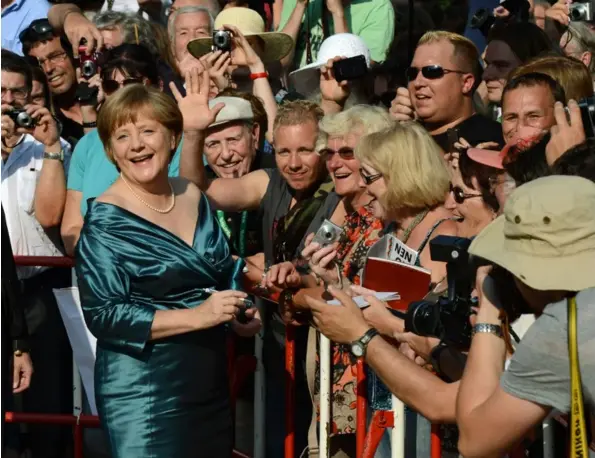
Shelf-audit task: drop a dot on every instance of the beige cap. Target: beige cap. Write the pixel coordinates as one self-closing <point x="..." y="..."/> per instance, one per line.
<point x="235" y="109"/>
<point x="546" y="236"/>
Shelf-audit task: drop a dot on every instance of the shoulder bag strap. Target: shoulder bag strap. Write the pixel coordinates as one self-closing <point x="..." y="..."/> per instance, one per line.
<point x="578" y="429"/>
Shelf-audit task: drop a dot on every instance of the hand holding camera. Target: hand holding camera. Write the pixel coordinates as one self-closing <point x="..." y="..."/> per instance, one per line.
<point x="320" y="250"/>
<point x="331" y="88"/>
<point x="217" y="64"/>
<point x="31" y="119"/>
<point x="230" y="39"/>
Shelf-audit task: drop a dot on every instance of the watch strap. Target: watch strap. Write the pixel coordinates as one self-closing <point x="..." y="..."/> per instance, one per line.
<point x="89" y="125"/>
<point x="487" y="328"/>
<point x="20" y="346"/>
<point x="59" y="156"/>
<point x="364" y="340"/>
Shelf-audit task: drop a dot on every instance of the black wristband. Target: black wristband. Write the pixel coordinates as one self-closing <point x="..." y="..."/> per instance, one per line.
<point x="89" y="125"/>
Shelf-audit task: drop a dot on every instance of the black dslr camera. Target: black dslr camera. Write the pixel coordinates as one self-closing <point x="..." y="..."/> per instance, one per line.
<point x="448" y="318"/>
<point x="21" y="118"/>
<point x="483" y="19"/>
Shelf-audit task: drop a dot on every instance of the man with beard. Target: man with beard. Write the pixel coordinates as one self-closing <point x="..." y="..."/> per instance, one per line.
<point x="294" y="199"/>
<point x="75" y="111"/>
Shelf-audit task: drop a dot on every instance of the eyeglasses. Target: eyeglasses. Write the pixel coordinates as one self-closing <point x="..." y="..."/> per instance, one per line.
<point x="111" y="86"/>
<point x="369" y="179"/>
<point x="19" y="93"/>
<point x="460" y="195"/>
<point x="55" y="59"/>
<point x="430" y="72"/>
<point x="36" y="29"/>
<point x="344" y="153"/>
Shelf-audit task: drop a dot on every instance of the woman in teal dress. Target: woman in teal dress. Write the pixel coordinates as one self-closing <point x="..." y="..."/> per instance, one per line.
<point x="149" y="251"/>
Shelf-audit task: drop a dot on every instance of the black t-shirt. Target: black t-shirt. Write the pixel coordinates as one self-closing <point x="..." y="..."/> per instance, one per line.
<point x="475" y="129"/>
<point x="72" y="131"/>
<point x="249" y="222"/>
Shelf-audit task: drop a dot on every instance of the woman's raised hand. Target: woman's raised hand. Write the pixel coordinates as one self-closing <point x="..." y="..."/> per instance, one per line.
<point x="198" y="116"/>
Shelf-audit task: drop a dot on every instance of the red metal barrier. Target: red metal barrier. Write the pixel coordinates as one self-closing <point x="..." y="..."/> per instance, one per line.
<point x="361" y="408"/>
<point x="289" y="391"/>
<point x="436" y="442"/>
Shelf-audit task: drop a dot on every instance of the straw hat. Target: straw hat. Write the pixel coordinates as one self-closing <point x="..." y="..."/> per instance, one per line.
<point x="276" y="44"/>
<point x="235" y="109"/>
<point x="546" y="236"/>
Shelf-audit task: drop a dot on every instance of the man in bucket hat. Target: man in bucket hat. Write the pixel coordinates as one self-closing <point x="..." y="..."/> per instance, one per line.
<point x="546" y="240"/>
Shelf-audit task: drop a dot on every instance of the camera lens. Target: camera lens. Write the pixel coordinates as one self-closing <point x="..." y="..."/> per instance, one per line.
<point x="24" y="120"/>
<point x="423" y="318"/>
<point x="88" y="69"/>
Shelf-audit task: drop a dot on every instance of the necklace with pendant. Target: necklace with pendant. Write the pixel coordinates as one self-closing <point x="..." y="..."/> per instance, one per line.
<point x="158" y="210"/>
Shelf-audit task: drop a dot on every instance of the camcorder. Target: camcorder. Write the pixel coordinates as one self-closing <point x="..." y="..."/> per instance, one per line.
<point x="221" y="41"/>
<point x="21" y="118"/>
<point x="582" y="10"/>
<point x="447" y="318"/>
<point x="483" y="19"/>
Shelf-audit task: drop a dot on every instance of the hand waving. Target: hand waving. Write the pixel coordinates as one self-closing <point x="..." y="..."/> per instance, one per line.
<point x="195" y="106"/>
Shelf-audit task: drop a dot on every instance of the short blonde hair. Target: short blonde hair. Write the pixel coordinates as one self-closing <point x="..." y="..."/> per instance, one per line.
<point x="297" y="112"/>
<point x="363" y="119"/>
<point x="571" y="74"/>
<point x="125" y="106"/>
<point x="417" y="176"/>
<point x="465" y="52"/>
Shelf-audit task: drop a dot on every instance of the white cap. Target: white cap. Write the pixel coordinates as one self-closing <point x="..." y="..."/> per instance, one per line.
<point x="236" y="109"/>
<point x="340" y="44"/>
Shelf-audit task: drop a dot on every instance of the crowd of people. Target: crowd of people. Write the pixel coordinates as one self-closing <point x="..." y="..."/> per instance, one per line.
<point x="196" y="157"/>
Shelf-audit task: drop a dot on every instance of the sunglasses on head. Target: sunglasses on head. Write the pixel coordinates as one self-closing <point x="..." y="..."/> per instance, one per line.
<point x="460" y="195"/>
<point x="369" y="179"/>
<point x="36" y="29"/>
<point x="111" y="86"/>
<point x="430" y="72"/>
<point x="344" y="153"/>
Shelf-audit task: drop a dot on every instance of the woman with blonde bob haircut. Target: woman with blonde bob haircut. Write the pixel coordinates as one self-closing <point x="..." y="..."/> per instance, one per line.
<point x="406" y="175"/>
<point x="149" y="257"/>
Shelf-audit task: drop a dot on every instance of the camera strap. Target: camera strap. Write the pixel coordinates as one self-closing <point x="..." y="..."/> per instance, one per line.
<point x="241" y="240"/>
<point x="578" y="428"/>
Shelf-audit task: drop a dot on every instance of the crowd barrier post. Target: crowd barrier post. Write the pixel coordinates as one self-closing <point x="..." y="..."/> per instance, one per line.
<point x="397" y="436"/>
<point x="289" y="392"/>
<point x="259" y="388"/>
<point x="361" y="407"/>
<point x="326" y="372"/>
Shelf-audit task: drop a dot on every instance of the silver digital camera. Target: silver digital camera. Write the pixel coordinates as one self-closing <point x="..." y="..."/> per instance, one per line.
<point x="221" y="41"/>
<point x="328" y="233"/>
<point x="582" y="10"/>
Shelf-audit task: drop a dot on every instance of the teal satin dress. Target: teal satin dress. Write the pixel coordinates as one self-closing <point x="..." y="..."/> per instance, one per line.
<point x="167" y="397"/>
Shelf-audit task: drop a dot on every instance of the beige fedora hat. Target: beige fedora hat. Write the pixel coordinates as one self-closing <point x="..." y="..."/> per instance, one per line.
<point x="546" y="236"/>
<point x="276" y="44"/>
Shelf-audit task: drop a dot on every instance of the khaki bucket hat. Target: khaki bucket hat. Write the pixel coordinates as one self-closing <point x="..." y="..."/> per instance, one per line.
<point x="276" y="44"/>
<point x="546" y="236"/>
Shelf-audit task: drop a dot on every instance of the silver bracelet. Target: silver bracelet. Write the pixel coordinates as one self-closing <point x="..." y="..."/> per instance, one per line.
<point x="486" y="328"/>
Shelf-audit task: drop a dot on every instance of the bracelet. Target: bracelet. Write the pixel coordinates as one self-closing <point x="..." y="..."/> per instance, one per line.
<point x="255" y="76"/>
<point x="88" y="125"/>
<point x="486" y="328"/>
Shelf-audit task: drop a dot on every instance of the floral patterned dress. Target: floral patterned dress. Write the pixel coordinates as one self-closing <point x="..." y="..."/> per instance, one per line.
<point x="361" y="231"/>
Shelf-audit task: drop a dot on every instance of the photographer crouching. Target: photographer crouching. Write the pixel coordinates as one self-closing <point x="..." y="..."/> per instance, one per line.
<point x="546" y="240"/>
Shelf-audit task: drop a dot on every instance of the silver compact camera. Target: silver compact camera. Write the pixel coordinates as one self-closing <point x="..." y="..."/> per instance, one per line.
<point x="221" y="41"/>
<point x="328" y="233"/>
<point x="21" y="118"/>
<point x="582" y="10"/>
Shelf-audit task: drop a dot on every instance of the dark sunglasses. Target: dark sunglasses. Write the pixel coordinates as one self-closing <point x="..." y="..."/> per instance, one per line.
<point x="369" y="179"/>
<point x="111" y="86"/>
<point x="344" y="153"/>
<point x="460" y="195"/>
<point x="430" y="72"/>
<point x="36" y="29"/>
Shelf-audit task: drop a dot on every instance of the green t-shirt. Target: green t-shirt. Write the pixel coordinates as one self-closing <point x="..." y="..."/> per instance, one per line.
<point x="372" y="20"/>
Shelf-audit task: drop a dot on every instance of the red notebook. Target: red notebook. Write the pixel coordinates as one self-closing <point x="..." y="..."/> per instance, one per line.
<point x="411" y="282"/>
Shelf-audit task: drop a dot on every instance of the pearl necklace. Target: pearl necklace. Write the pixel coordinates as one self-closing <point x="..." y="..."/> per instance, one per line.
<point x="158" y="210"/>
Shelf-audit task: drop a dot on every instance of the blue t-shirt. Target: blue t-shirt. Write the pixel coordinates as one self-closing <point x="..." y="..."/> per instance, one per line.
<point x="91" y="172"/>
<point x="17" y="17"/>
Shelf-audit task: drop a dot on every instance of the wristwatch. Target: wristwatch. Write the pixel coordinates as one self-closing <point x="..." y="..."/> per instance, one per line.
<point x="54" y="156"/>
<point x="359" y="346"/>
<point x="487" y="328"/>
<point x="20" y="346"/>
